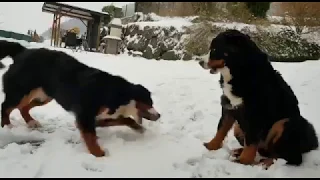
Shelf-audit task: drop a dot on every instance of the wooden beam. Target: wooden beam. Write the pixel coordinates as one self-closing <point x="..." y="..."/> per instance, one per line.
<point x="98" y="34"/>
<point x="48" y="4"/>
<point x="83" y="23"/>
<point x="89" y="30"/>
<point x="55" y="32"/>
<point x="66" y="9"/>
<point x="69" y="14"/>
<point x="52" y="29"/>
<point x="58" y="30"/>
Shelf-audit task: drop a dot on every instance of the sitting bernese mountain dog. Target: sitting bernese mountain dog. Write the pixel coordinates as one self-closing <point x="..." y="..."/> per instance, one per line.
<point x="96" y="98"/>
<point x="264" y="105"/>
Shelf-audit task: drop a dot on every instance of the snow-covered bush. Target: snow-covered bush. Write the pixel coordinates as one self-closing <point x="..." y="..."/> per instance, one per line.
<point x="155" y="37"/>
<point x="282" y="45"/>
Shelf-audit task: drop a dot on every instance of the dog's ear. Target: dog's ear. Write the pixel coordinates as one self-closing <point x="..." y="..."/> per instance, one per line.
<point x="233" y="48"/>
<point x="141" y="94"/>
<point x="139" y="90"/>
<point x="238" y="42"/>
<point x="137" y="87"/>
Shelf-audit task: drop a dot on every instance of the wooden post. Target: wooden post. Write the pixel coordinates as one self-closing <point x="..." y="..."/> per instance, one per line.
<point x="125" y="13"/>
<point x="55" y="32"/>
<point x="58" y="29"/>
<point x="89" y="28"/>
<point x="53" y="29"/>
<point x="98" y="34"/>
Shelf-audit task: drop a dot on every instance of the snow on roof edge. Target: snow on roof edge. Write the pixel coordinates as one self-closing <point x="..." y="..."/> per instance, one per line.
<point x="83" y="8"/>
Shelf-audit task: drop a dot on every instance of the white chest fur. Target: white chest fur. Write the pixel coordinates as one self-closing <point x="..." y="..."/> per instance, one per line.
<point x="227" y="88"/>
<point x="128" y="110"/>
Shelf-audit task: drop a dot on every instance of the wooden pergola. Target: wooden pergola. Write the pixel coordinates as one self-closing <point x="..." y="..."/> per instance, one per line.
<point x="94" y="20"/>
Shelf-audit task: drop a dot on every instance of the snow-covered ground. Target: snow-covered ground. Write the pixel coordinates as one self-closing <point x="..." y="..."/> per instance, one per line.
<point x="188" y="99"/>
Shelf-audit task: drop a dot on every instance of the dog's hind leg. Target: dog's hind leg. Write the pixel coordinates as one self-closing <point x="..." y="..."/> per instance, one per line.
<point x="35" y="97"/>
<point x="32" y="123"/>
<point x="10" y="102"/>
<point x="293" y="158"/>
<point x="287" y="143"/>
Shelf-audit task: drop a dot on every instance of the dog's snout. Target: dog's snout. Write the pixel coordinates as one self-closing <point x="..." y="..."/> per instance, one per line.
<point x="201" y="63"/>
<point x="154" y="114"/>
<point x="156" y="117"/>
<point x="204" y="64"/>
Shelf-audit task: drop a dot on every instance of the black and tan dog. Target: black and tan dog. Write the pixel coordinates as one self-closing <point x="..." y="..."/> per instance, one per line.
<point x="39" y="75"/>
<point x="229" y="118"/>
<point x="268" y="103"/>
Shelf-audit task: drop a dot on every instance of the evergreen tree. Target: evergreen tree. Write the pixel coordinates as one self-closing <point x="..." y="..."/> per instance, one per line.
<point x="258" y="9"/>
<point x="113" y="11"/>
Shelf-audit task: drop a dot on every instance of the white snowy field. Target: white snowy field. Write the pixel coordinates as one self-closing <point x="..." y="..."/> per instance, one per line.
<point x="188" y="99"/>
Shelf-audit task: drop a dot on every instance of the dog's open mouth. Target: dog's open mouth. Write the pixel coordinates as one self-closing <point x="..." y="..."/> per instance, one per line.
<point x="149" y="115"/>
<point x="213" y="71"/>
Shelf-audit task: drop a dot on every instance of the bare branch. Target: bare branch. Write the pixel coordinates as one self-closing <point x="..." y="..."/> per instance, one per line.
<point x="302" y="15"/>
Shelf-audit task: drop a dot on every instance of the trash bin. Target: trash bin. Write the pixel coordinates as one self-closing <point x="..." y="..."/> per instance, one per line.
<point x="114" y="39"/>
<point x="112" y="44"/>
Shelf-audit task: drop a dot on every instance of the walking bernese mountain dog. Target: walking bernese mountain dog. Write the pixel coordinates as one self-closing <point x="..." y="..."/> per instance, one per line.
<point x="260" y="101"/>
<point x="96" y="98"/>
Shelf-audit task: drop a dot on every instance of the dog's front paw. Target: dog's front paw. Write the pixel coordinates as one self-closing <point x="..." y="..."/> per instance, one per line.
<point x="9" y="126"/>
<point x="248" y="155"/>
<point x="34" y="124"/>
<point x="212" y="145"/>
<point x="141" y="130"/>
<point x="99" y="152"/>
<point x="236" y="152"/>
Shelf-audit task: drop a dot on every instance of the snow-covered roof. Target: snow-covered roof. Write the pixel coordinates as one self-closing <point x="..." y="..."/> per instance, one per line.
<point x="83" y="7"/>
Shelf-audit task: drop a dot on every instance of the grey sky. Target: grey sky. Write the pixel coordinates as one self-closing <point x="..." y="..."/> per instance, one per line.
<point x="21" y="16"/>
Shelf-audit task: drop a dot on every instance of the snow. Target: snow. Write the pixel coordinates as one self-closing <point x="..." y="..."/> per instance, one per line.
<point x="188" y="99"/>
<point x="111" y="37"/>
<point x="177" y="22"/>
<point x="239" y="26"/>
<point x="275" y="19"/>
<point x="83" y="7"/>
<point x="235" y="25"/>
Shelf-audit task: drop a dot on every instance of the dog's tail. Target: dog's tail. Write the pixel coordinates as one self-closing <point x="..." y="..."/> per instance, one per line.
<point x="9" y="49"/>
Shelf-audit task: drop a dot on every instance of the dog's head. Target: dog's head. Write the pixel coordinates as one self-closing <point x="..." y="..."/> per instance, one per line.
<point x="144" y="102"/>
<point x="229" y="48"/>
